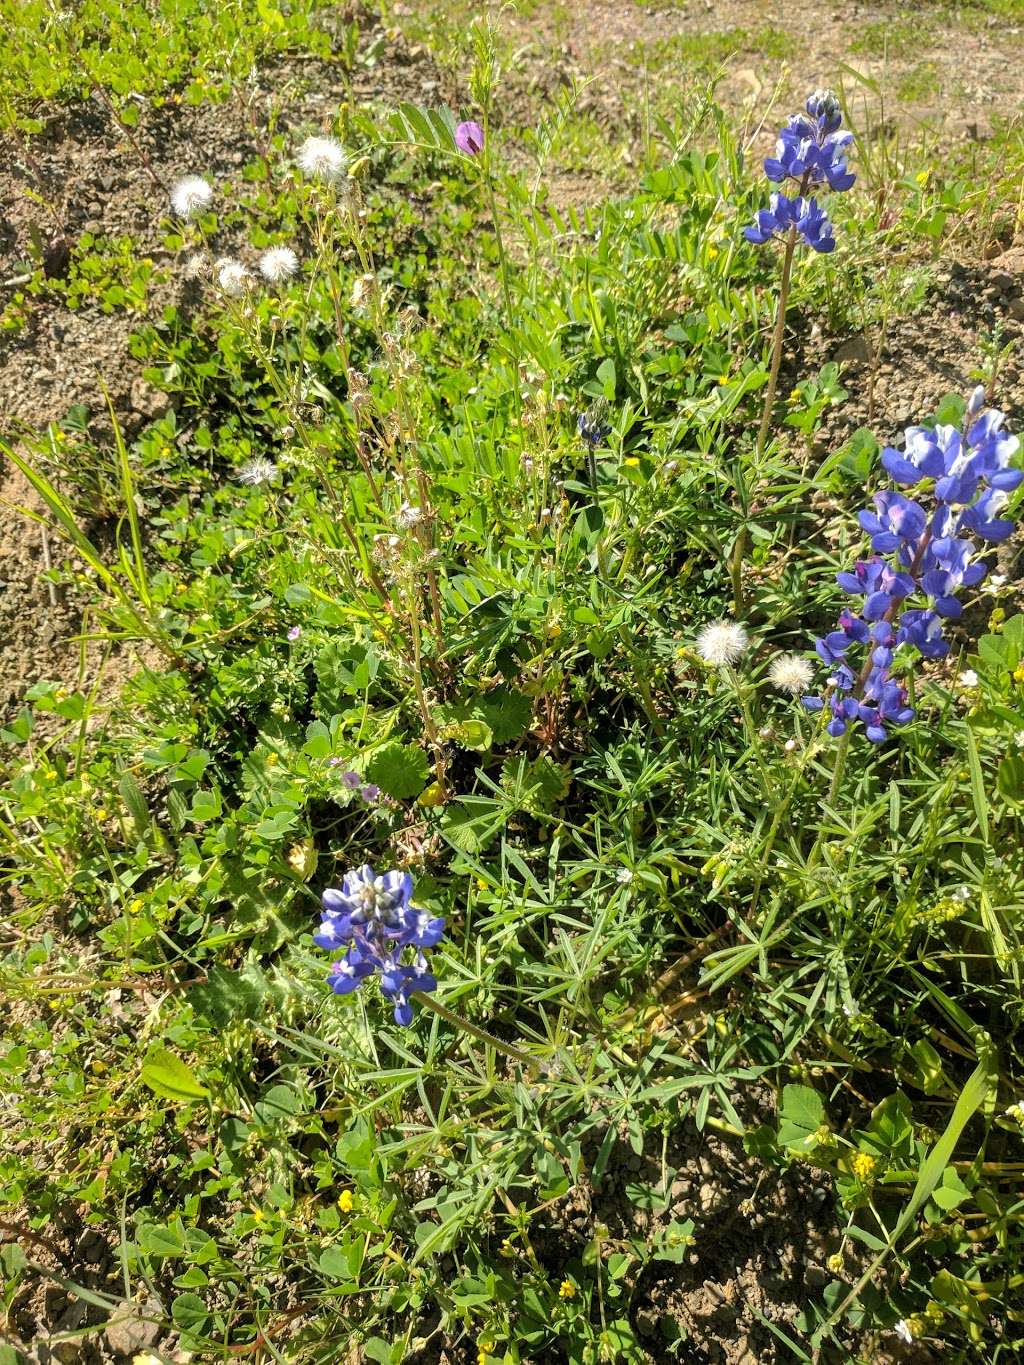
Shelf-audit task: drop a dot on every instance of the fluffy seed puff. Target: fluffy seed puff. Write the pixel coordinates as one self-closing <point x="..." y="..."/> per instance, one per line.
<point x="722" y="643"/>
<point x="233" y="277"/>
<point x="323" y="158"/>
<point x="190" y="196"/>
<point x="791" y="673"/>
<point x="278" y="264"/>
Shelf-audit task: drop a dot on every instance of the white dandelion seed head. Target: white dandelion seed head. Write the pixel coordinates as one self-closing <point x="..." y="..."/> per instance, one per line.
<point x="190" y="196"/>
<point x="232" y="276"/>
<point x="791" y="673"/>
<point x="722" y="642"/>
<point x="278" y="264"/>
<point x="257" y="471"/>
<point x="408" y="516"/>
<point x="323" y="158"/>
<point x="362" y="288"/>
<point x="197" y="267"/>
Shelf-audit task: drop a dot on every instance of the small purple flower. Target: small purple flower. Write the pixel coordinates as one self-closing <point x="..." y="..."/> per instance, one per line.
<point x="351" y="780"/>
<point x="809" y="219"/>
<point x="295" y="633"/>
<point x="898" y="522"/>
<point x="370" y="793"/>
<point x="469" y="138"/>
<point x="593" y="425"/>
<point x="374" y="916"/>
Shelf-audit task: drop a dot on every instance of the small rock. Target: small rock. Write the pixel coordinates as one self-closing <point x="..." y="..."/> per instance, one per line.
<point x="128" y="1331"/>
<point x="1015" y="308"/>
<point x="1002" y="281"/>
<point x="855" y="351"/>
<point x="56" y="258"/>
<point x="147" y="400"/>
<point x="816" y="1277"/>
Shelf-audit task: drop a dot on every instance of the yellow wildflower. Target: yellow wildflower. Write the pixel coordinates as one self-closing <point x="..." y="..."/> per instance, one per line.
<point x="567" y="1290"/>
<point x="863" y="1165"/>
<point x="631" y="460"/>
<point x="302" y="858"/>
<point x="345" y="1201"/>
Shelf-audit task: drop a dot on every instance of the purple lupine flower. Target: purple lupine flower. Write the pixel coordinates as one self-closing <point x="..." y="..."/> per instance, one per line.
<point x="898" y="521"/>
<point x="469" y="138"/>
<point x="970" y="478"/>
<point x="374" y="916"/>
<point x="806" y="215"/>
<point x="593" y="425"/>
<point x="811" y="149"/>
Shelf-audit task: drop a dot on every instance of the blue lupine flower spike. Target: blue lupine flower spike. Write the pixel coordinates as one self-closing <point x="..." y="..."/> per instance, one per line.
<point x="931" y="557"/>
<point x="811" y="150"/>
<point x="373" y="915"/>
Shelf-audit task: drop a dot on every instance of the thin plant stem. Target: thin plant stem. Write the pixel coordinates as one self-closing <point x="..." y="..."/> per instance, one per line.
<point x="474" y="1030"/>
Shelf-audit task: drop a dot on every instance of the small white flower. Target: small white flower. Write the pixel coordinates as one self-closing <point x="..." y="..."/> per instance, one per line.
<point x="624" y="876"/>
<point x="408" y="516"/>
<point x="1018" y="739"/>
<point x="257" y="471"/>
<point x="323" y="158"/>
<point x="962" y="893"/>
<point x="721" y="643"/>
<point x="232" y="276"/>
<point x="790" y="746"/>
<point x="968" y="678"/>
<point x="791" y="673"/>
<point x="994" y="584"/>
<point x="903" y="1332"/>
<point x="190" y="196"/>
<point x="278" y="264"/>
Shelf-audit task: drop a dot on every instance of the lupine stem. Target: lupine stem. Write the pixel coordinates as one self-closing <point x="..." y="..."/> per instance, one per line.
<point x="474" y="1030"/>
<point x="778" y="337"/>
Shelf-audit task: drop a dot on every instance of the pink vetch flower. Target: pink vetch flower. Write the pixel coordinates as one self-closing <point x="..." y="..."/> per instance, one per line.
<point x="469" y="138"/>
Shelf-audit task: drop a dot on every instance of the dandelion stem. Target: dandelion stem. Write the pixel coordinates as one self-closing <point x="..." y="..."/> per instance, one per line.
<point x="474" y="1030"/>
